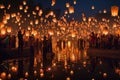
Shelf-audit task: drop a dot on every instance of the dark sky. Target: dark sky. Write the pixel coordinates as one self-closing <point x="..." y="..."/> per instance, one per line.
<point x="82" y="6"/>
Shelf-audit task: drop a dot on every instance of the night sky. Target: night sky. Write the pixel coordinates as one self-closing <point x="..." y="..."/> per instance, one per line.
<point x="82" y="6"/>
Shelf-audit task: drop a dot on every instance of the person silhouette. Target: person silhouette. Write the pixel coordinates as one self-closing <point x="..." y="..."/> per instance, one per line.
<point x="20" y="42"/>
<point x="45" y="50"/>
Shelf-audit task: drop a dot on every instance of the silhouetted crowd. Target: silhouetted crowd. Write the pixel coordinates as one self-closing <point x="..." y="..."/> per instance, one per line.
<point x="104" y="41"/>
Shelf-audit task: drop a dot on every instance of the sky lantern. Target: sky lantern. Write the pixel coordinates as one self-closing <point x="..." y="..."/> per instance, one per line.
<point x="7" y="16"/>
<point x="74" y="2"/>
<point x="26" y="7"/>
<point x="51" y="13"/>
<point x="114" y="10"/>
<point x="3" y="75"/>
<point x="2" y="6"/>
<point x="53" y="2"/>
<point x="25" y="10"/>
<point x="24" y="3"/>
<point x="37" y="8"/>
<point x="13" y="15"/>
<point x="21" y="7"/>
<point x="71" y="10"/>
<point x="40" y="12"/>
<point x="27" y="33"/>
<point x="36" y="21"/>
<point x="1" y="25"/>
<point x="93" y="7"/>
<point x="9" y="6"/>
<point x="9" y="29"/>
<point x="5" y="21"/>
<point x="3" y="31"/>
<point x="104" y="11"/>
<point x="67" y="5"/>
<point x="54" y="20"/>
<point x="31" y="22"/>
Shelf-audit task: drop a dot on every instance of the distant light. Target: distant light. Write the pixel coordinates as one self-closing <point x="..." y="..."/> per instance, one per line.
<point x="104" y="11"/>
<point x="93" y="7"/>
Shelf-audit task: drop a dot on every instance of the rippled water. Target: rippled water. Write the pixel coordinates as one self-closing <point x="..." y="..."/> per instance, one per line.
<point x="80" y="67"/>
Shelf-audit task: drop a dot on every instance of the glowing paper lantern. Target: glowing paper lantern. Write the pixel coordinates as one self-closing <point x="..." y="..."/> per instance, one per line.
<point x="1" y="25"/>
<point x="3" y="75"/>
<point x="36" y="21"/>
<point x="67" y="5"/>
<point x="37" y="8"/>
<point x="24" y="3"/>
<point x="53" y="2"/>
<point x="104" y="11"/>
<point x="40" y="12"/>
<point x="51" y="13"/>
<point x="26" y="74"/>
<point x="21" y="7"/>
<point x="93" y="7"/>
<point x="114" y="10"/>
<point x="27" y="33"/>
<point x="3" y="31"/>
<point x="54" y="20"/>
<point x="7" y="16"/>
<point x="74" y="2"/>
<point x="9" y="29"/>
<point x="2" y="6"/>
<point x="71" y="10"/>
<point x="14" y="69"/>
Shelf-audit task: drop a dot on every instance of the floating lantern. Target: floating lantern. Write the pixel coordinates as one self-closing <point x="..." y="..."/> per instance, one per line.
<point x="53" y="2"/>
<point x="66" y="12"/>
<point x="14" y="69"/>
<point x="74" y="2"/>
<point x="21" y="7"/>
<point x="7" y="16"/>
<point x="26" y="74"/>
<point x="114" y="10"/>
<point x="67" y="5"/>
<point x="37" y="8"/>
<point x="68" y="78"/>
<point x="24" y="3"/>
<point x="71" y="72"/>
<point x="27" y="33"/>
<point x="13" y="15"/>
<point x="25" y="10"/>
<point x="104" y="11"/>
<point x="54" y="20"/>
<point x="35" y="73"/>
<point x="1" y="25"/>
<point x="84" y="18"/>
<point x="40" y="12"/>
<point x="71" y="10"/>
<point x="26" y="7"/>
<point x="3" y="31"/>
<point x="51" y="13"/>
<point x="9" y="29"/>
<point x="9" y="76"/>
<point x="5" y="21"/>
<point x="36" y="21"/>
<point x="114" y="25"/>
<point x="104" y="75"/>
<point x="105" y="32"/>
<point x="9" y="6"/>
<point x="3" y="75"/>
<point x="2" y="6"/>
<point x="69" y="44"/>
<point x="93" y="7"/>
